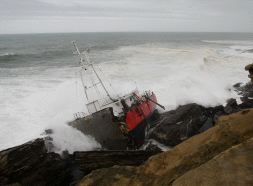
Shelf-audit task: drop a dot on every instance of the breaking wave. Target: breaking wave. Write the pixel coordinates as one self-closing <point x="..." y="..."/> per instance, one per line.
<point x="229" y="42"/>
<point x="7" y="54"/>
<point x="48" y="98"/>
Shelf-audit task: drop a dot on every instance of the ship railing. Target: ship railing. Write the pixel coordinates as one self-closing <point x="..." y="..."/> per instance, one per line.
<point x="79" y="115"/>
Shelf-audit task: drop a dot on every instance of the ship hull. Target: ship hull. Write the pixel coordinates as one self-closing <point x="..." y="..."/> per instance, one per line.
<point x="105" y="127"/>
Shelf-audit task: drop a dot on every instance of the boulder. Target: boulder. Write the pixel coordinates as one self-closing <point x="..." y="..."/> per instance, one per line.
<point x="246" y="90"/>
<point x="247" y="103"/>
<point x="177" y="125"/>
<point x="30" y="164"/>
<point x="249" y="68"/>
<point x="246" y="93"/>
<point x="165" y="168"/>
<point x="237" y="85"/>
<point x="231" y="106"/>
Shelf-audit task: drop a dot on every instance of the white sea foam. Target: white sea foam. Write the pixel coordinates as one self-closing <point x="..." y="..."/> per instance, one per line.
<point x="180" y="76"/>
<point x="7" y="54"/>
<point x="30" y="104"/>
<point x="26" y="116"/>
<point x="237" y="51"/>
<point x="229" y="42"/>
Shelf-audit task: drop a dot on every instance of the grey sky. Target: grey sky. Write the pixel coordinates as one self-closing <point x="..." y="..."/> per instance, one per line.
<point x="28" y="16"/>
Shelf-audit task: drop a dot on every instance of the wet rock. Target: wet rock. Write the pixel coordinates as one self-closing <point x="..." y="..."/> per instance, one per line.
<point x="231" y="106"/>
<point x="207" y="125"/>
<point x="250" y="69"/>
<point x="152" y="145"/>
<point x="49" y="131"/>
<point x="184" y="122"/>
<point x="247" y="90"/>
<point x="247" y="103"/>
<point x="237" y="85"/>
<point x="30" y="164"/>
<point x="49" y="143"/>
<point x="92" y="160"/>
<point x="215" y="113"/>
<point x="48" y="139"/>
<point x="246" y="93"/>
<point x="218" y="143"/>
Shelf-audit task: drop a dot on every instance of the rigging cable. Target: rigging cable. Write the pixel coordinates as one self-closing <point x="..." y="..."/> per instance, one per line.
<point x="107" y="80"/>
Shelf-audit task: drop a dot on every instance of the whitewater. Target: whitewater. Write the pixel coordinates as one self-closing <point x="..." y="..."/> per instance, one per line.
<point x="40" y="86"/>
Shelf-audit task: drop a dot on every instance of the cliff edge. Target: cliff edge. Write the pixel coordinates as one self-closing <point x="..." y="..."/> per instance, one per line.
<point x="223" y="155"/>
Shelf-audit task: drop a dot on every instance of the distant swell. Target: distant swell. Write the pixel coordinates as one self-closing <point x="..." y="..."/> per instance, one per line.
<point x="7" y="54"/>
<point x="12" y="59"/>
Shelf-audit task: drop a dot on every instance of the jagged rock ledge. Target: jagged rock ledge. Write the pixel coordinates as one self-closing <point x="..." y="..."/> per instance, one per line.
<point x="178" y="125"/>
<point x="32" y="164"/>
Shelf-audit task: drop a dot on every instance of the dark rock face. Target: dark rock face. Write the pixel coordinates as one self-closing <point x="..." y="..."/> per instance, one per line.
<point x="249" y="68"/>
<point x="30" y="164"/>
<point x="184" y="122"/>
<point x="151" y="145"/>
<point x="91" y="160"/>
<point x="177" y="125"/>
<point x="237" y="85"/>
<point x="231" y="106"/>
<point x="246" y="92"/>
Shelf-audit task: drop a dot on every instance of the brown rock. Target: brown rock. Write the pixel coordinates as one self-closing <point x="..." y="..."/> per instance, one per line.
<point x="231" y="167"/>
<point x="250" y="69"/>
<point x="30" y="164"/>
<point x="165" y="168"/>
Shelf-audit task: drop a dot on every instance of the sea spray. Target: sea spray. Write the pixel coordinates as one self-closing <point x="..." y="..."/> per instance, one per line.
<point x="38" y="92"/>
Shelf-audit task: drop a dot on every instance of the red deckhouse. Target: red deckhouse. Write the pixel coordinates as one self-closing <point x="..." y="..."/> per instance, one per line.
<point x="138" y="113"/>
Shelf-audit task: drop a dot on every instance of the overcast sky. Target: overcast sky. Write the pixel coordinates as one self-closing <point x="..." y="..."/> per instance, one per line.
<point x="39" y="16"/>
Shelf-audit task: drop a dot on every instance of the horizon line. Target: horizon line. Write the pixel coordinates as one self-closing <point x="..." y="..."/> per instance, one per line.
<point x="83" y="32"/>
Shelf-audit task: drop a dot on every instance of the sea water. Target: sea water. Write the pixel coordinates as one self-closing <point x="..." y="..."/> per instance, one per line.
<point x="40" y="85"/>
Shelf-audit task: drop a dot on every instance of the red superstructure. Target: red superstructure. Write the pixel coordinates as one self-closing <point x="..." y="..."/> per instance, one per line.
<point x="141" y="111"/>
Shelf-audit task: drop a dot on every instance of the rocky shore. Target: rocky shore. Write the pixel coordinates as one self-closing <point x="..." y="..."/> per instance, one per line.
<point x="32" y="164"/>
<point x="223" y="155"/>
<point x="209" y="146"/>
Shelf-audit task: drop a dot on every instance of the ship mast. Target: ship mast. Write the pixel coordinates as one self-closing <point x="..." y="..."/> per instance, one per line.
<point x="88" y="63"/>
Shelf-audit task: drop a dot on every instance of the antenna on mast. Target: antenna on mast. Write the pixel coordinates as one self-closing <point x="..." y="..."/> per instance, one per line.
<point x="88" y="63"/>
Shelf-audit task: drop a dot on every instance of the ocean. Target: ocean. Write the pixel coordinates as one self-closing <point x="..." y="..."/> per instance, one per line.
<point x="40" y="84"/>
